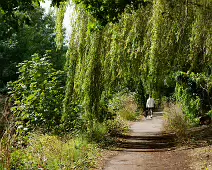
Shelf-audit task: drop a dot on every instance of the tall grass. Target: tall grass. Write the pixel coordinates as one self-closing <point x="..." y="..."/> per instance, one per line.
<point x="125" y="106"/>
<point x="7" y="136"/>
<point x="104" y="133"/>
<point x="117" y="127"/>
<point x="3" y="104"/>
<point x="20" y="150"/>
<point x="79" y="151"/>
<point x="52" y="152"/>
<point x="175" y="121"/>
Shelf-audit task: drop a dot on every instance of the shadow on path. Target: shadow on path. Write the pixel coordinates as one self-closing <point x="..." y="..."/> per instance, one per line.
<point x="147" y="147"/>
<point x="147" y="143"/>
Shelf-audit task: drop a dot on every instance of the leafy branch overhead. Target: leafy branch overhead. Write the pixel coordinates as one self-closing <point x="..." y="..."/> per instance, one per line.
<point x="138" y="51"/>
<point x="106" y="10"/>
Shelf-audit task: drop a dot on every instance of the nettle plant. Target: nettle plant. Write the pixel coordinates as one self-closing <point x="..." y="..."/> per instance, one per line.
<point x="37" y="95"/>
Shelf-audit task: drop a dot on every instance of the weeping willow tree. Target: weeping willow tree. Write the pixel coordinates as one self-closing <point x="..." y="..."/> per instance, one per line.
<point x="167" y="51"/>
<point x="200" y="41"/>
<point x="138" y="52"/>
<point x="180" y="31"/>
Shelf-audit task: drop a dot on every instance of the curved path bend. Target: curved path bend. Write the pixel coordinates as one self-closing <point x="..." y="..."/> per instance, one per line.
<point x="147" y="148"/>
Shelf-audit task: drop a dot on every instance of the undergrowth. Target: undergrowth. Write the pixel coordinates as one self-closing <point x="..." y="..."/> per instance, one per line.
<point x="45" y="151"/>
<point x="23" y="149"/>
<point x="175" y="121"/>
<point x="52" y="152"/>
<point x="48" y="152"/>
<point x="3" y="99"/>
<point x="125" y="106"/>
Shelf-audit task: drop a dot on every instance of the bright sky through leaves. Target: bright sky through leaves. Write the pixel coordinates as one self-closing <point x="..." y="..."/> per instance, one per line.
<point x="66" y="22"/>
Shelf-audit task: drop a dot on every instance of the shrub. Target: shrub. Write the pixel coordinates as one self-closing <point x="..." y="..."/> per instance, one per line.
<point x="103" y="133"/>
<point x="193" y="92"/>
<point x="175" y="121"/>
<point x="38" y="94"/>
<point x="124" y="105"/>
<point x="97" y="132"/>
<point x="117" y="126"/>
<point x="52" y="152"/>
<point x="4" y="114"/>
<point x="210" y="113"/>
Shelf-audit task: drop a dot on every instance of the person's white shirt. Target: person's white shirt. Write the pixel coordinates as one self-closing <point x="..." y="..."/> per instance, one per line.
<point x="150" y="103"/>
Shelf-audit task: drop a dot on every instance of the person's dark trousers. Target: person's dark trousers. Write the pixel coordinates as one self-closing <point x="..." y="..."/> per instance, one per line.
<point x="146" y="112"/>
<point x="150" y="109"/>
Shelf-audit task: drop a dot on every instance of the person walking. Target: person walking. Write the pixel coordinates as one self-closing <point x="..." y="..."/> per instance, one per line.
<point x="150" y="105"/>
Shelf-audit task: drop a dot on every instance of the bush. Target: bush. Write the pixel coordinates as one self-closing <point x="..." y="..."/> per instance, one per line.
<point x="3" y="112"/>
<point x="124" y="105"/>
<point x="97" y="132"/>
<point x="77" y="151"/>
<point x="101" y="132"/>
<point x="210" y="113"/>
<point x="52" y="152"/>
<point x="193" y="92"/>
<point x="175" y="121"/>
<point x="116" y="127"/>
<point x="38" y="94"/>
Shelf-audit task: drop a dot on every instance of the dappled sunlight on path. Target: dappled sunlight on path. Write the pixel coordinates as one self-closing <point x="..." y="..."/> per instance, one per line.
<point x="147" y="148"/>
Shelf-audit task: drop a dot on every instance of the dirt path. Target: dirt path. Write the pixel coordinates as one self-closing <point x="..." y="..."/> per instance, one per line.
<point x="146" y="148"/>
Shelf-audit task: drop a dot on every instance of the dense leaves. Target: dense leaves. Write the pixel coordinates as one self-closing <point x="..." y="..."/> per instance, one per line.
<point x="15" y="13"/>
<point x="139" y="48"/>
<point x="194" y="92"/>
<point x="9" y="5"/>
<point x="37" y="95"/>
<point x="139" y="53"/>
<point x="109" y="11"/>
<point x="27" y="40"/>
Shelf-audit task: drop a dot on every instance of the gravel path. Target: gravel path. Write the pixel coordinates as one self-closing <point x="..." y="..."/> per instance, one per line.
<point x="146" y="148"/>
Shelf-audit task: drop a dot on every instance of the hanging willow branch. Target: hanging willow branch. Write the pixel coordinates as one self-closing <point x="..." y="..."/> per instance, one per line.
<point x="60" y="12"/>
<point x="138" y="53"/>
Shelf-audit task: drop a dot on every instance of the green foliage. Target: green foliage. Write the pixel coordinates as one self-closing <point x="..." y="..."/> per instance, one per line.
<point x="93" y="69"/>
<point x="10" y="5"/>
<point x="193" y="91"/>
<point x="15" y="14"/>
<point x="51" y="152"/>
<point x="139" y="53"/>
<point x="59" y="25"/>
<point x="97" y="132"/>
<point x="210" y="113"/>
<point x="106" y="11"/>
<point x="21" y="44"/>
<point x="103" y="133"/>
<point x="191" y="104"/>
<point x="117" y="126"/>
<point x="124" y="105"/>
<point x="75" y="74"/>
<point x="37" y="95"/>
<point x="175" y="121"/>
<point x="4" y="112"/>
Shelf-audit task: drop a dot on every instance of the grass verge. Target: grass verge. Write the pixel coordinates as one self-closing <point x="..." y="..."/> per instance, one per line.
<point x="52" y="152"/>
<point x="43" y="151"/>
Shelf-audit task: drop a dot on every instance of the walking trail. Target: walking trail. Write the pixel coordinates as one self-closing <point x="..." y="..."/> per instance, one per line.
<point x="147" y="148"/>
